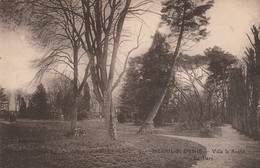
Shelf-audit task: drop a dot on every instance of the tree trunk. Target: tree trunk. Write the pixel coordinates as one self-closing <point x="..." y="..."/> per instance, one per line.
<point x="75" y="90"/>
<point x="106" y="109"/>
<point x="254" y="122"/>
<point x="223" y="114"/>
<point x="149" y="120"/>
<point x="256" y="87"/>
<point x="73" y="122"/>
<point x="112" y="122"/>
<point x="110" y="119"/>
<point x="209" y="108"/>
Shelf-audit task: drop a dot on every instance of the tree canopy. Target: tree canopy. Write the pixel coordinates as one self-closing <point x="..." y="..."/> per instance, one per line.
<point x="3" y="96"/>
<point x="145" y="78"/>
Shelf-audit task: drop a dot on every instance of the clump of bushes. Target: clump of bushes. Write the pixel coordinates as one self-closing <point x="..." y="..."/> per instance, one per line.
<point x="82" y="115"/>
<point x="121" y="118"/>
<point x="206" y="130"/>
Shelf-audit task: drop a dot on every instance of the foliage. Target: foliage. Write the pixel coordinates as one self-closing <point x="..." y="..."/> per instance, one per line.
<point x="220" y="63"/>
<point x="4" y="104"/>
<point x="128" y="96"/>
<point x="155" y="71"/>
<point x="68" y="101"/>
<point x="3" y="96"/>
<point x="22" y="107"/>
<point x="38" y="107"/>
<point x="244" y="91"/>
<point x="146" y="75"/>
<point x="67" y="104"/>
<point x="30" y="110"/>
<point x="84" y="111"/>
<point x="237" y="99"/>
<point x="187" y="14"/>
<point x="206" y="130"/>
<point x="121" y="118"/>
<point x="84" y="103"/>
<point x="191" y="62"/>
<point x="186" y="20"/>
<point x="61" y="101"/>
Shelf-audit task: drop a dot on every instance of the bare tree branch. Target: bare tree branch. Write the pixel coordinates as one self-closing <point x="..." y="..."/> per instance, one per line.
<point x="126" y="60"/>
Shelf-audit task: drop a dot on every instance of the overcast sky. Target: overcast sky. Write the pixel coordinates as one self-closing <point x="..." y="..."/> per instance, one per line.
<point x="230" y="21"/>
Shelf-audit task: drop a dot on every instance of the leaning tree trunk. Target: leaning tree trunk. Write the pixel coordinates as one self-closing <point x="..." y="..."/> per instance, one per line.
<point x="149" y="121"/>
<point x="148" y="124"/>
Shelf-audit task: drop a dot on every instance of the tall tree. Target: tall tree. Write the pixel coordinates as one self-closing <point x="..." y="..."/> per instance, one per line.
<point x="219" y="64"/>
<point x="4" y="100"/>
<point x="104" y="23"/>
<point x="155" y="71"/>
<point x="147" y="75"/>
<point x="39" y="103"/>
<point x="128" y="96"/>
<point x="3" y="96"/>
<point x="84" y="103"/>
<point x="238" y="100"/>
<point x="186" y="19"/>
<point x="58" y="87"/>
<point x="22" y="107"/>
<point x="31" y="110"/>
<point x="244" y="92"/>
<point x="253" y="81"/>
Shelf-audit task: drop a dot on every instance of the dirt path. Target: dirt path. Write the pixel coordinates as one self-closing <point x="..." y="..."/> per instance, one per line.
<point x="234" y="150"/>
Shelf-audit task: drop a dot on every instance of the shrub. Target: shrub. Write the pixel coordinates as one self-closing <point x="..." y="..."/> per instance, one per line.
<point x="82" y="115"/>
<point x="206" y="130"/>
<point x="121" y="118"/>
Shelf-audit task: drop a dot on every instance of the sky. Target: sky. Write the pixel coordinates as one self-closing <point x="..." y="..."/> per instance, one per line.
<point x="230" y="21"/>
<point x="16" y="53"/>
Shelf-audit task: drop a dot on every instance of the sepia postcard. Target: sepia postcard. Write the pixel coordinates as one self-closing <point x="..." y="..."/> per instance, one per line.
<point x="130" y="83"/>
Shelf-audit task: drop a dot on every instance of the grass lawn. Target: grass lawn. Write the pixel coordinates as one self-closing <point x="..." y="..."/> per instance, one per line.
<point x="45" y="144"/>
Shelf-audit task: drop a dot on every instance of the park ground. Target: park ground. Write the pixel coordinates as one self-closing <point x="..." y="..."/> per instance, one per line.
<point x="29" y="143"/>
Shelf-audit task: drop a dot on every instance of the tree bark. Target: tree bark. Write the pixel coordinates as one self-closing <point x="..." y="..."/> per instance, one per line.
<point x="112" y="120"/>
<point x="73" y="122"/>
<point x="109" y="88"/>
<point x="75" y="89"/>
<point x="254" y="122"/>
<point x="149" y="120"/>
<point x="109" y="112"/>
<point x="223" y="114"/>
